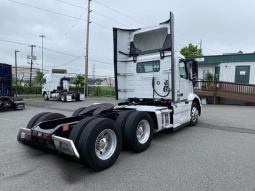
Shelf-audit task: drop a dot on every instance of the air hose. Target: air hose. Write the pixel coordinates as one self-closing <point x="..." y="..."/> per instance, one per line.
<point x="152" y="83"/>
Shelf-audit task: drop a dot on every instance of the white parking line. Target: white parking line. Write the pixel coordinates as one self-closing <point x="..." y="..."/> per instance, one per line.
<point x="6" y="119"/>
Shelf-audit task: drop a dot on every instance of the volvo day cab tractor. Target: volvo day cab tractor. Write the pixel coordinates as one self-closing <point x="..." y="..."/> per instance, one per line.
<point x="56" y="85"/>
<point x="157" y="88"/>
<point x="7" y="99"/>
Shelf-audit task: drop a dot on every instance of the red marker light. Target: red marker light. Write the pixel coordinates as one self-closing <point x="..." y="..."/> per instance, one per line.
<point x="65" y="127"/>
<point x="27" y="135"/>
<point x="46" y="136"/>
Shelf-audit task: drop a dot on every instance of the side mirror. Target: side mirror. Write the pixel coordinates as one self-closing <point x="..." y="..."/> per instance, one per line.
<point x="194" y="70"/>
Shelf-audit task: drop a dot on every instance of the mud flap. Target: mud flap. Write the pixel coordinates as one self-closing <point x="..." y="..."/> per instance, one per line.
<point x="65" y="146"/>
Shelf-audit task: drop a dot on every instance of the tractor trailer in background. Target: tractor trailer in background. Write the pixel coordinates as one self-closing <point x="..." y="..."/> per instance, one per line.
<point x="7" y="98"/>
<point x="156" y="89"/>
<point x="56" y="85"/>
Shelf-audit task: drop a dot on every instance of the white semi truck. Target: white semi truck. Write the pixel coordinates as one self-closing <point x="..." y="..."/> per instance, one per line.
<point x="157" y="88"/>
<point x="56" y="85"/>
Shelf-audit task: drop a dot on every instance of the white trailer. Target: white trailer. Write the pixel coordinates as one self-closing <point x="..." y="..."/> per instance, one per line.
<point x="157" y="88"/>
<point x="56" y="85"/>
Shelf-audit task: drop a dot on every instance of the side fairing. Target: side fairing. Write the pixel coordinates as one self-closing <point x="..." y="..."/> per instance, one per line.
<point x="144" y="62"/>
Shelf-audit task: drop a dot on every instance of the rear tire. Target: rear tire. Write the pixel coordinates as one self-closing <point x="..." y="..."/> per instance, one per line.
<point x="32" y="121"/>
<point x="100" y="144"/>
<point x="49" y="116"/>
<point x="77" y="97"/>
<point x="77" y="111"/>
<point x="77" y="130"/>
<point x="46" y="117"/>
<point x="138" y="131"/>
<point x="121" y="122"/>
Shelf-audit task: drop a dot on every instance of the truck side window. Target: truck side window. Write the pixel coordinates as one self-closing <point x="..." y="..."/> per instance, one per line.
<point x="43" y="81"/>
<point x="149" y="66"/>
<point x="183" y="73"/>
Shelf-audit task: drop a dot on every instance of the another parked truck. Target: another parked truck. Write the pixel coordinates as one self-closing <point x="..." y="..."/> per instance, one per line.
<point x="7" y="99"/>
<point x="157" y="88"/>
<point x="56" y="85"/>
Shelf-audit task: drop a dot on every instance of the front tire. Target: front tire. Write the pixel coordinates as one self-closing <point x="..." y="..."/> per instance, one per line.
<point x="63" y="97"/>
<point x="45" y="97"/>
<point x="100" y="144"/>
<point x="194" y="114"/>
<point x="138" y="131"/>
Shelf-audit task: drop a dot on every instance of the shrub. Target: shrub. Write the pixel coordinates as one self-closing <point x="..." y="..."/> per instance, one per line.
<point x="26" y="90"/>
<point x="209" y="76"/>
<point x="103" y="91"/>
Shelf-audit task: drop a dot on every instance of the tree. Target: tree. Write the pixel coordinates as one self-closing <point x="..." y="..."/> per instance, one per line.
<point x="78" y="81"/>
<point x="38" y="77"/>
<point x="191" y="50"/>
<point x="240" y="52"/>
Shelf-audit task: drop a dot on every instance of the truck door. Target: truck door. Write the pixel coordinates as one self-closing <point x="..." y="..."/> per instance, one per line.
<point x="184" y="85"/>
<point x="183" y="89"/>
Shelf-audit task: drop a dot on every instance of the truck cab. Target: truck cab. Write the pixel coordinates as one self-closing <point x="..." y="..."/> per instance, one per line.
<point x="56" y="85"/>
<point x="148" y="71"/>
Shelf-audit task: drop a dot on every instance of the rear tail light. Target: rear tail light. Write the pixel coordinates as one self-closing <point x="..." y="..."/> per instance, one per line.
<point x="46" y="136"/>
<point x="27" y="135"/>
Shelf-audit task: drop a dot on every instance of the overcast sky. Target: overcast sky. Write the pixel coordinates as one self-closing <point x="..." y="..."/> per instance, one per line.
<point x="223" y="26"/>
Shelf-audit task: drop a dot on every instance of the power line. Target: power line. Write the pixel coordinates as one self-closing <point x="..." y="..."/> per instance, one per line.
<point x="57" y="13"/>
<point x="102" y="26"/>
<point x="69" y="29"/>
<point x="70" y="61"/>
<point x="45" y="10"/>
<point x="119" y="12"/>
<point x="131" y="11"/>
<point x="29" y="42"/>
<point x="71" y="4"/>
<point x="110" y="18"/>
<point x="21" y="43"/>
<point x="93" y="12"/>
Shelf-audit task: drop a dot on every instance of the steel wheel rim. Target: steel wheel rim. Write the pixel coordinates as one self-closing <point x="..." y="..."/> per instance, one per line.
<point x="194" y="114"/>
<point x="45" y="96"/>
<point x="106" y="144"/>
<point x="143" y="131"/>
<point x="62" y="98"/>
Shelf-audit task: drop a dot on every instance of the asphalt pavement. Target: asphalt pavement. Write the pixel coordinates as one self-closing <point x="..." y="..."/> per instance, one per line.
<point x="217" y="154"/>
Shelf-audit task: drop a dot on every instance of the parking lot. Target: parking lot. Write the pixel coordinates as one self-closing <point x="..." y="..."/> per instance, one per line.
<point x="217" y="154"/>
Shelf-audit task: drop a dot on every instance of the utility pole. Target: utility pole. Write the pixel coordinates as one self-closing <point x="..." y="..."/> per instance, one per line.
<point x="16" y="71"/>
<point x="93" y="73"/>
<point x="200" y="44"/>
<point x="87" y="51"/>
<point x="42" y="49"/>
<point x="32" y="46"/>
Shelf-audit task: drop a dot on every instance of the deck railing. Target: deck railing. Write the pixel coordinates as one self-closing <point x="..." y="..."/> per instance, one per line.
<point x="225" y="89"/>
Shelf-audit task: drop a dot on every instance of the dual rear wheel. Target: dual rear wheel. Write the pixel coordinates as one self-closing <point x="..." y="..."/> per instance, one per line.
<point x="137" y="130"/>
<point x="98" y="141"/>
